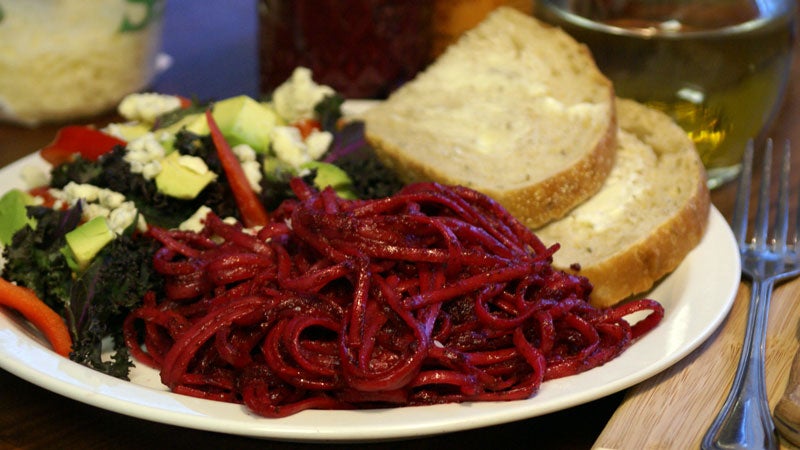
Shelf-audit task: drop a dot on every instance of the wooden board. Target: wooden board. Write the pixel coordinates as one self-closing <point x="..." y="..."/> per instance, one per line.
<point x="673" y="409"/>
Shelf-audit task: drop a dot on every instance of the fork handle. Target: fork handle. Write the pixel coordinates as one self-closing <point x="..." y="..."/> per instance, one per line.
<point x="744" y="422"/>
<point x="787" y="412"/>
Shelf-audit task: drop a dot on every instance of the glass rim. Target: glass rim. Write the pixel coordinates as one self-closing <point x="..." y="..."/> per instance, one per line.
<point x="787" y="13"/>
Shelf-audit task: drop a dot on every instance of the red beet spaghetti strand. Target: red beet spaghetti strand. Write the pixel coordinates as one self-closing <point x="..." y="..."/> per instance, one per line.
<point x="433" y="295"/>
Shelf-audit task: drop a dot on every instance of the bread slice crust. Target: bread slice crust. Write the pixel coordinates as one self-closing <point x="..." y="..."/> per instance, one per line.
<point x="515" y="109"/>
<point x="674" y="208"/>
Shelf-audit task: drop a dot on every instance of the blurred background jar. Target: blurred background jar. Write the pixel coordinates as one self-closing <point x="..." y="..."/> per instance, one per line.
<point x="451" y="18"/>
<point x="62" y="60"/>
<point x="719" y="67"/>
<point x="361" y="48"/>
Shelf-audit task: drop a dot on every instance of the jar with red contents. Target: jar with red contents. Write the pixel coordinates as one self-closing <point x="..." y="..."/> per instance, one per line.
<point x="361" y="48"/>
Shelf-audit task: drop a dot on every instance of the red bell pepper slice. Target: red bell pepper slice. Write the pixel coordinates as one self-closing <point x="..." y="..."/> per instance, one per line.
<point x="43" y="192"/>
<point x="86" y="141"/>
<point x="185" y="101"/>
<point x="307" y="126"/>
<point x="250" y="206"/>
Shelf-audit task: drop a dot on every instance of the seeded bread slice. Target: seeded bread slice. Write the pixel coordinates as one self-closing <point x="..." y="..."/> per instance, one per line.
<point x="515" y="109"/>
<point x="651" y="212"/>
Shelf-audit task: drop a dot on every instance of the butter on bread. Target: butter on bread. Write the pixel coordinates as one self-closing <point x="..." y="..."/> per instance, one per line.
<point x="515" y="109"/>
<point x="651" y="212"/>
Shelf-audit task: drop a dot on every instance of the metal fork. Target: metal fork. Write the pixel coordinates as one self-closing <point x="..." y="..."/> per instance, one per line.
<point x="745" y="421"/>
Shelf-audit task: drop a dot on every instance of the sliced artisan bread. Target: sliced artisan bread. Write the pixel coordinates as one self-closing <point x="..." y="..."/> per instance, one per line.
<point x="515" y="109"/>
<point x="652" y="210"/>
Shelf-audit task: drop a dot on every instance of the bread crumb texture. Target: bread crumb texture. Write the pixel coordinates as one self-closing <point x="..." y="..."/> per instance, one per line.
<point x="514" y="107"/>
<point x="651" y="212"/>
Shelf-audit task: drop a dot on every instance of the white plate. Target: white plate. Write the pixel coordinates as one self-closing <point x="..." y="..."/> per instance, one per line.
<point x="697" y="297"/>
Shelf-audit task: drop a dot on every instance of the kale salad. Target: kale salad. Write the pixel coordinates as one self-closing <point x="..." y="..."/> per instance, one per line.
<point x="77" y="236"/>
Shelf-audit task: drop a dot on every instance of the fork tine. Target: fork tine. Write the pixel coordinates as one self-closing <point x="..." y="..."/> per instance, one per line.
<point x="741" y="209"/>
<point x="762" y="215"/>
<point x="782" y="216"/>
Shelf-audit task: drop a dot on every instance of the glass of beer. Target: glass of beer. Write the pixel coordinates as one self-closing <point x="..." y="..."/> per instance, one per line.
<point x="718" y="67"/>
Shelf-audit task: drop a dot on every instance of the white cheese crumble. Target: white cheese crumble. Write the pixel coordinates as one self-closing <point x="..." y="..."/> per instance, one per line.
<point x="317" y="143"/>
<point x="110" y="199"/>
<point x="73" y="192"/>
<point x="144" y="156"/>
<point x="100" y="202"/>
<point x="146" y="107"/>
<point x="92" y="210"/>
<point x="34" y="177"/>
<point x="195" y="222"/>
<point x="289" y="146"/>
<point x="121" y="217"/>
<point x="114" y="129"/>
<point x="296" y="98"/>
<point x="250" y="165"/>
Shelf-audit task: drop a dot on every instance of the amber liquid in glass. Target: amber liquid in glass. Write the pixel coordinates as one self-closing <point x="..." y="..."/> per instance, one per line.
<point x="718" y="68"/>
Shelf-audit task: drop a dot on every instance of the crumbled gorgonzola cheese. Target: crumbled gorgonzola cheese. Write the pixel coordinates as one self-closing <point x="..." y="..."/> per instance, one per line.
<point x="146" y="107"/>
<point x="121" y="217"/>
<point x="195" y="222"/>
<point x="250" y="165"/>
<point x="289" y="146"/>
<point x="144" y="155"/>
<point x="317" y="143"/>
<point x="34" y="177"/>
<point x="100" y="202"/>
<point x="296" y="98"/>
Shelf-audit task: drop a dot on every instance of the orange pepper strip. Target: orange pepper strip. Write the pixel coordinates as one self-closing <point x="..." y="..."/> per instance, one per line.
<point x="39" y="314"/>
<point x="251" y="208"/>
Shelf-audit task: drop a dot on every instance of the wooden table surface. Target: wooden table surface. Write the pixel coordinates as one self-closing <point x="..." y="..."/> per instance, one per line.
<point x="213" y="49"/>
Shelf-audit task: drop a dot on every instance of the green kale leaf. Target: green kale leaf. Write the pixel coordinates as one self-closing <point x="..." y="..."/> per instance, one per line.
<point x="102" y="296"/>
<point x="111" y="171"/>
<point x="34" y="258"/>
<point x="93" y="302"/>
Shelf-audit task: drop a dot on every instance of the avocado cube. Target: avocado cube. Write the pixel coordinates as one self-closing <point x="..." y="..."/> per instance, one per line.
<point x="195" y="123"/>
<point x="333" y="176"/>
<point x="130" y="131"/>
<point x="241" y="120"/>
<point x="14" y="214"/>
<point x="181" y="180"/>
<point x="86" y="241"/>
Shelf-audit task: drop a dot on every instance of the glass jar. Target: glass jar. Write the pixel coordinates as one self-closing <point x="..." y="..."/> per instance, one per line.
<point x="718" y="67"/>
<point x="65" y="59"/>
<point x="361" y="48"/>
